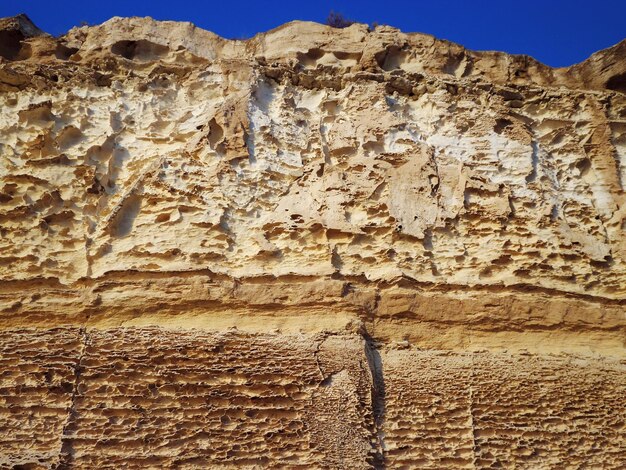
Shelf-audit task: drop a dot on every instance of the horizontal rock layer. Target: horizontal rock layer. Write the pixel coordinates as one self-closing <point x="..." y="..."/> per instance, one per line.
<point x="487" y="410"/>
<point x="148" y="398"/>
<point x="361" y="248"/>
<point x="142" y="151"/>
<point x="155" y="398"/>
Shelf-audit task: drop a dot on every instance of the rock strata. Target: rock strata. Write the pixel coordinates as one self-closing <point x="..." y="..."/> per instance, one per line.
<point x="316" y="248"/>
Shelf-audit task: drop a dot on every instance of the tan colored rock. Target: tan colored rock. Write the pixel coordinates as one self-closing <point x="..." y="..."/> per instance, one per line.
<point x="371" y="189"/>
<point x="150" y="398"/>
<point x="190" y="152"/>
<point x="486" y="410"/>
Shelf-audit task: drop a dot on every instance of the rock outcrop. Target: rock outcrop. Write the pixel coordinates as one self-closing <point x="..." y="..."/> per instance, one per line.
<point x="316" y="248"/>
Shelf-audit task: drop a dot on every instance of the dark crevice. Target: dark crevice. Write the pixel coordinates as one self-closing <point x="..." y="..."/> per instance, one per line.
<point x="63" y="52"/>
<point x="532" y="176"/>
<point x="11" y="44"/>
<point x="141" y="50"/>
<point x="375" y="364"/>
<point x="617" y="83"/>
<point x="66" y="455"/>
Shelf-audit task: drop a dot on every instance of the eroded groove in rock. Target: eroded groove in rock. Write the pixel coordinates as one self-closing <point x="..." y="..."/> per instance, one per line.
<point x="378" y="399"/>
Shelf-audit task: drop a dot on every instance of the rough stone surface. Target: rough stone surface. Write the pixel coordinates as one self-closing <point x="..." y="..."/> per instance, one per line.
<point x="146" y="397"/>
<point x="360" y="248"/>
<point x="486" y="410"/>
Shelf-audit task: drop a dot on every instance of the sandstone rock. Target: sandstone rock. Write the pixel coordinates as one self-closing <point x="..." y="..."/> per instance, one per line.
<point x="378" y="214"/>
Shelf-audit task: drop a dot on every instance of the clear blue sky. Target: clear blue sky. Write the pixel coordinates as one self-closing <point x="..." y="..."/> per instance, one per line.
<point x="556" y="32"/>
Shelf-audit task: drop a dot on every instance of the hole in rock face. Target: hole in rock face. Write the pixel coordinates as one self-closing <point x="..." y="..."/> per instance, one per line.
<point x="69" y="137"/>
<point x="37" y="113"/>
<point x="315" y="54"/>
<point x="216" y="134"/>
<point x="583" y="166"/>
<point x="11" y="44"/>
<point x="141" y="50"/>
<point x="393" y="58"/>
<point x="389" y="59"/>
<point x="63" y="52"/>
<point x="501" y="124"/>
<point x="310" y="58"/>
<point x="617" y="83"/>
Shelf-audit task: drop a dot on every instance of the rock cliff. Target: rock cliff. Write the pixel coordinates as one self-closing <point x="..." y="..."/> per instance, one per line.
<point x="316" y="248"/>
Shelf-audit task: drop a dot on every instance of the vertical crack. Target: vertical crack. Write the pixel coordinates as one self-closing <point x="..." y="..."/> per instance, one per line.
<point x="317" y="359"/>
<point x="470" y="409"/>
<point x="375" y="364"/>
<point x="66" y="453"/>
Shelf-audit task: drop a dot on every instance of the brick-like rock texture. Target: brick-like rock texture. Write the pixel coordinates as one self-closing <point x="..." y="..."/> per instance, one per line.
<point x="154" y="398"/>
<point x="496" y="410"/>
<point x="37" y="382"/>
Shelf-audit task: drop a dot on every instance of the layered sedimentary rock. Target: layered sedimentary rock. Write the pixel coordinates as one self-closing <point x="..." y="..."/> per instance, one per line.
<point x="146" y="397"/>
<point x="319" y="247"/>
<point x="494" y="410"/>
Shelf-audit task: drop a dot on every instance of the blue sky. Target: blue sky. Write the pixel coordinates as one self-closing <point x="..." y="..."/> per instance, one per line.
<point x="557" y="32"/>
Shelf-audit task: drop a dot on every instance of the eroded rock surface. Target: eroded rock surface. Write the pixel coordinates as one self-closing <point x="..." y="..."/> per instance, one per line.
<point x="152" y="398"/>
<point x="418" y="246"/>
<point x="486" y="410"/>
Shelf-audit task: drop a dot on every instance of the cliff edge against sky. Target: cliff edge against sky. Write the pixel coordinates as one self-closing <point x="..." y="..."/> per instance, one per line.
<point x="318" y="247"/>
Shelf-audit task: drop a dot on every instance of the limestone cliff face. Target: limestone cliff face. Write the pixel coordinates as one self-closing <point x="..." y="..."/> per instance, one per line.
<point x="442" y="220"/>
